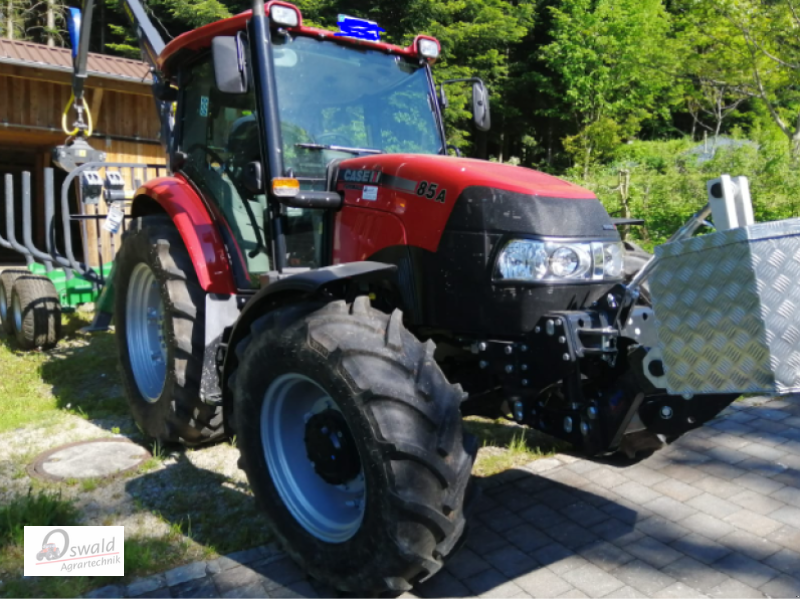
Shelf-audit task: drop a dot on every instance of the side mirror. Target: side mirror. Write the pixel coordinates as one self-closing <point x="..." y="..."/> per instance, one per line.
<point x="252" y="179"/>
<point x="480" y="106"/>
<point x="229" y="64"/>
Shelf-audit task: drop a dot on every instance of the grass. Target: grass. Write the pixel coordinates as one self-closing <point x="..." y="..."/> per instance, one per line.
<point x="505" y="445"/>
<point x="38" y="387"/>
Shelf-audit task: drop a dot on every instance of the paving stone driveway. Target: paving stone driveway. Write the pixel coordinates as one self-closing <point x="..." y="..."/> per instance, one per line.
<point x="715" y="515"/>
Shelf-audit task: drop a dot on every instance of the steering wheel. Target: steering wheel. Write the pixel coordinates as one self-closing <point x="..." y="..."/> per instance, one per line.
<point x="209" y="152"/>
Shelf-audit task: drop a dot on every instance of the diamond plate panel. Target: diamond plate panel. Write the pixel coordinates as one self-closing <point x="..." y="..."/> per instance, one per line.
<point x="726" y="307"/>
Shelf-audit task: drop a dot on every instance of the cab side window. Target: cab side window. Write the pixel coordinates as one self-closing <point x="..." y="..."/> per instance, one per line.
<point x="219" y="136"/>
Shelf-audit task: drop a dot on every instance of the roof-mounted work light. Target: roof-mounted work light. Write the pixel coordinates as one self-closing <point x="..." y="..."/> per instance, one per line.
<point x="428" y="48"/>
<point x="284" y="15"/>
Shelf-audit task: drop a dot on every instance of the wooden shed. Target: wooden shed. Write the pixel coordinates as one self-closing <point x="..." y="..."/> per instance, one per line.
<point x="35" y="86"/>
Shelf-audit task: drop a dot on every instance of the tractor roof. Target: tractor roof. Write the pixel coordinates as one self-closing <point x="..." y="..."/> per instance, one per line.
<point x="199" y="39"/>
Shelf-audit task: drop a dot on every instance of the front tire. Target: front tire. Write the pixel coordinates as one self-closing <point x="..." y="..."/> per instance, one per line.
<point x="351" y="439"/>
<point x="160" y="326"/>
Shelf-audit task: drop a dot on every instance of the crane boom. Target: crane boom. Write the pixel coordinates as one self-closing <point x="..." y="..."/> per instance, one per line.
<point x="76" y="150"/>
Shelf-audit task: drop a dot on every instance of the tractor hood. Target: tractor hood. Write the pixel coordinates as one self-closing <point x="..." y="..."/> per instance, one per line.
<point x="431" y="194"/>
<point x="459" y="173"/>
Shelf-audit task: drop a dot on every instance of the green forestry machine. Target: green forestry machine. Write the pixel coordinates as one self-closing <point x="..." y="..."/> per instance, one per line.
<point x="319" y="279"/>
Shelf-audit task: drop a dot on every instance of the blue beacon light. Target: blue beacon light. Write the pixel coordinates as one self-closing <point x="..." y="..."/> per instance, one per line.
<point x="359" y="28"/>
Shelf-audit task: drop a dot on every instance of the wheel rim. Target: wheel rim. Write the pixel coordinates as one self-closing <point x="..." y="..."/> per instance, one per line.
<point x="3" y="304"/>
<point x="16" y="309"/>
<point x="144" y="318"/>
<point x="294" y="408"/>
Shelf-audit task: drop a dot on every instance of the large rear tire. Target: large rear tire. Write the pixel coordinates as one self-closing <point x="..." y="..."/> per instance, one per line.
<point x="7" y="279"/>
<point x="351" y="440"/>
<point x="35" y="312"/>
<point x="160" y="327"/>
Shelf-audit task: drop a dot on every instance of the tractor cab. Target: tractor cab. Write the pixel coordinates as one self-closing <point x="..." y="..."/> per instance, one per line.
<point x="261" y="128"/>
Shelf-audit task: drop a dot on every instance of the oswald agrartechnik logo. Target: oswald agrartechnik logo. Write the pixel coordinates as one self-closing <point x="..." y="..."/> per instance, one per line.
<point x="74" y="551"/>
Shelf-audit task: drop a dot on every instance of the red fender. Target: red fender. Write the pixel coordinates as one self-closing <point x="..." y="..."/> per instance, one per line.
<point x="198" y="230"/>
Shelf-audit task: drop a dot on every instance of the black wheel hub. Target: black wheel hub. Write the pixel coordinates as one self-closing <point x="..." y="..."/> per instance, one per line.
<point x="331" y="448"/>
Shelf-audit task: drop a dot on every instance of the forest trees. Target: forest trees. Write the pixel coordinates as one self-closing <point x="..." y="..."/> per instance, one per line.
<point x="613" y="61"/>
<point x="38" y="20"/>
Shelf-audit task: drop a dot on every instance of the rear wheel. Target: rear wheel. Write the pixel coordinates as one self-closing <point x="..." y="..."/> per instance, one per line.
<point x="35" y="312"/>
<point x="351" y="439"/>
<point x="160" y="326"/>
<point x="7" y="279"/>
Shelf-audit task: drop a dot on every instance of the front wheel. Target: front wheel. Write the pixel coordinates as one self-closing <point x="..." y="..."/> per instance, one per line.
<point x="351" y="439"/>
<point x="160" y="321"/>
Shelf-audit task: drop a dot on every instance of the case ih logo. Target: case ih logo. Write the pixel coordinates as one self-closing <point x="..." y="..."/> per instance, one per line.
<point x="79" y="551"/>
<point x="361" y="176"/>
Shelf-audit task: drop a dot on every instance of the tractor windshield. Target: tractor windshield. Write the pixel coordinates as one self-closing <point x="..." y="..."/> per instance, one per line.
<point x="338" y="101"/>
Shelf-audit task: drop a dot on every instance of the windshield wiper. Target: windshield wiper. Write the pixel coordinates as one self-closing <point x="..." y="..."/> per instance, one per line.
<point x="339" y="148"/>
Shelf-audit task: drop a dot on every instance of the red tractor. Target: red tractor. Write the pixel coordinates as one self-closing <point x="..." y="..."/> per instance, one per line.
<point x="319" y="279"/>
<point x="49" y="551"/>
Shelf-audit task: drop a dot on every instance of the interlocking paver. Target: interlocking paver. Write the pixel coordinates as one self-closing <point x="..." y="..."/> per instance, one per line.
<point x="758" y="483"/>
<point x="679" y="590"/>
<point x="571" y="535"/>
<point x="626" y="592"/>
<point x="652" y="551"/>
<point x="606" y="477"/>
<point x="782" y="587"/>
<point x="301" y="589"/>
<point x="695" y="574"/>
<point x="147" y="584"/>
<point x="443" y="585"/>
<point x="671" y="509"/>
<point x="717" y="487"/>
<point x="542" y="583"/>
<point x="788" y="495"/>
<point x="251" y="590"/>
<point x="644" y="475"/>
<point x="753" y="523"/>
<point x="584" y="514"/>
<point x="746" y="570"/>
<point x="788" y="515"/>
<point x="753" y="546"/>
<point x="707" y="526"/>
<point x="527" y="537"/>
<point x="492" y="584"/>
<point x="593" y="580"/>
<point x="500" y="519"/>
<point x="605" y="555"/>
<point x="662" y="529"/>
<point x="714" y="506"/>
<point x="700" y="548"/>
<point x="511" y="562"/>
<point x="788" y="537"/>
<point x="466" y="563"/>
<point x="643" y="577"/>
<point x="731" y="588"/>
<point x="573" y="593"/>
<point x="231" y="579"/>
<point x="755" y="502"/>
<point x="185" y="573"/>
<point x="784" y="560"/>
<point x="636" y="492"/>
<point x="195" y="588"/>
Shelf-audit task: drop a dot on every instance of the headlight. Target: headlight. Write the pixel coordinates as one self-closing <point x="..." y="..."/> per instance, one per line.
<point x="536" y="260"/>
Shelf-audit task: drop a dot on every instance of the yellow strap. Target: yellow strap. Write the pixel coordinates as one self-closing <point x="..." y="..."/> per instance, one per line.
<point x="65" y="114"/>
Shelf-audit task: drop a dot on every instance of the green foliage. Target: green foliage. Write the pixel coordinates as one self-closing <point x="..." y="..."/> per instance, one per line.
<point x="668" y="184"/>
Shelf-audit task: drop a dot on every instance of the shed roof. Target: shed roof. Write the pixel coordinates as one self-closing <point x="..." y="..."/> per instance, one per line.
<point x="60" y="59"/>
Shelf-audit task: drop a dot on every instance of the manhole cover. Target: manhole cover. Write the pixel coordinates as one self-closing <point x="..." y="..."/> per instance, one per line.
<point x="93" y="458"/>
